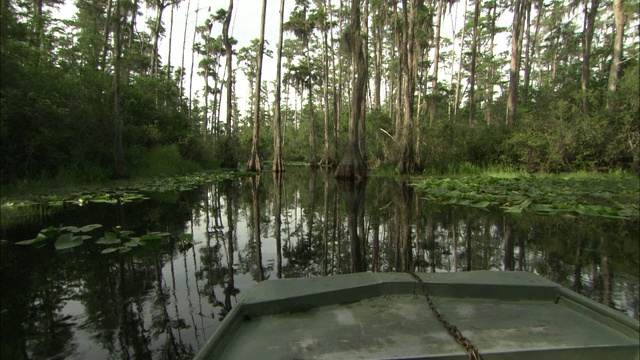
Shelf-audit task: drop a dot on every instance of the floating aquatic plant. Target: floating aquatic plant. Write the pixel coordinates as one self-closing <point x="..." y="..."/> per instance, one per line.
<point x="66" y="237"/>
<point x="123" y="195"/>
<point x="541" y="195"/>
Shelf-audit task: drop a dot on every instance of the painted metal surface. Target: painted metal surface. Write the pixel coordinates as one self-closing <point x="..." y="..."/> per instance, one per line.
<point x="385" y="316"/>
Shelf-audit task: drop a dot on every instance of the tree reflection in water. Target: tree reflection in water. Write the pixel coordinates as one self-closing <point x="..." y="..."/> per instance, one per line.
<point x="164" y="300"/>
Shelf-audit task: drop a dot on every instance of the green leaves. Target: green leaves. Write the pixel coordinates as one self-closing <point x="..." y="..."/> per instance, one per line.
<point x="40" y="238"/>
<point x="68" y="240"/>
<point x="126" y="241"/>
<point x="608" y="198"/>
<point x="67" y="237"/>
<point x="124" y="195"/>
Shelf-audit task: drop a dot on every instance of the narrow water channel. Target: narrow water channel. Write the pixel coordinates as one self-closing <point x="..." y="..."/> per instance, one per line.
<point x="163" y="300"/>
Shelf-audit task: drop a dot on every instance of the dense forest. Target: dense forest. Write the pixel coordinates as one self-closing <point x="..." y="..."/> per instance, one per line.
<point x="359" y="85"/>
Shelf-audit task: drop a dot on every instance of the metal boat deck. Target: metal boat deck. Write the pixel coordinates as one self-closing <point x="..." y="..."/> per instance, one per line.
<point x="385" y="316"/>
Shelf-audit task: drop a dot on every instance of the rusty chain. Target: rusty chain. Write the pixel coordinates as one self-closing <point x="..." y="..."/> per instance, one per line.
<point x="469" y="347"/>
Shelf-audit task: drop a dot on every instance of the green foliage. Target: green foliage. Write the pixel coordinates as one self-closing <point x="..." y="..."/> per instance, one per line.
<point x="121" y="241"/>
<point x="452" y="147"/>
<point x="157" y="161"/>
<point x="65" y="237"/>
<point x="599" y="197"/>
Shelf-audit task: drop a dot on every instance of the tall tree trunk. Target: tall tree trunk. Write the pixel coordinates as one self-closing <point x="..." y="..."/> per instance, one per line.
<point x="474" y="55"/>
<point x="253" y="164"/>
<point x="436" y="58"/>
<point x="229" y="59"/>
<point x="205" y="130"/>
<point x="514" y="69"/>
<point x="313" y="161"/>
<point x="527" y="55"/>
<point x="107" y="32"/>
<point x="340" y="80"/>
<point x="118" y="151"/>
<point x="155" y="63"/>
<point x="377" y="66"/>
<point x="459" y="80"/>
<point x="193" y="58"/>
<point x="278" y="165"/>
<point x="352" y="165"/>
<point x="325" y="89"/>
<point x="365" y="47"/>
<point x="399" y="71"/>
<point x="184" y="45"/>
<point x="173" y="5"/>
<point x="336" y="112"/>
<point x="587" y="37"/>
<point x="490" y="69"/>
<point x="407" y="154"/>
<point x="132" y="26"/>
<point x="617" y="52"/>
<point x="537" y="39"/>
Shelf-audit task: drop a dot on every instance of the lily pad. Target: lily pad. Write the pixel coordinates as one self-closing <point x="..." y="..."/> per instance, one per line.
<point x="108" y="239"/>
<point x="39" y="238"/>
<point x="109" y="250"/>
<point x="67" y="241"/>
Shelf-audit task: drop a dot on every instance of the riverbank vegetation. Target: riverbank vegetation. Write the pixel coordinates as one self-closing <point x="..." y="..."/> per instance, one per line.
<point x="90" y="97"/>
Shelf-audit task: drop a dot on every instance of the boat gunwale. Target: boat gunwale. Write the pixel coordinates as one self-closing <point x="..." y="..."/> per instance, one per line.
<point x="302" y="294"/>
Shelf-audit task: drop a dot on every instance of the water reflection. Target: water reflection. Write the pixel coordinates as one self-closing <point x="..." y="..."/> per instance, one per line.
<point x="165" y="300"/>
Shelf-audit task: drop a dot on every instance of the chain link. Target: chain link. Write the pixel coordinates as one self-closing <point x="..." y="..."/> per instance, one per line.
<point x="469" y="347"/>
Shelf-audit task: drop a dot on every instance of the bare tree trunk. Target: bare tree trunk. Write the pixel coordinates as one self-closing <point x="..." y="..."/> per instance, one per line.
<point x="377" y="34"/>
<point x="39" y="22"/>
<point x="587" y="37"/>
<point x="340" y="78"/>
<point x="490" y="70"/>
<point x="205" y="131"/>
<point x="326" y="161"/>
<point x="401" y="54"/>
<point x="527" y="55"/>
<point x="120" y="165"/>
<point x="537" y="37"/>
<point x="436" y="58"/>
<point x="278" y="165"/>
<point x="617" y="51"/>
<point x="253" y="164"/>
<point x="107" y="32"/>
<point x="313" y="162"/>
<point x="184" y="45"/>
<point x="160" y="5"/>
<point x="407" y="154"/>
<point x="365" y="47"/>
<point x="229" y="59"/>
<point x="352" y="166"/>
<point x="474" y="55"/>
<point x="457" y="97"/>
<point x="170" y="43"/>
<point x="193" y="58"/>
<point x="336" y="112"/>
<point x="516" y="49"/>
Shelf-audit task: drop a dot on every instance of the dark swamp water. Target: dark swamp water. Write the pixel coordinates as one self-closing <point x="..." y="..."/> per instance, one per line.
<point x="163" y="300"/>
